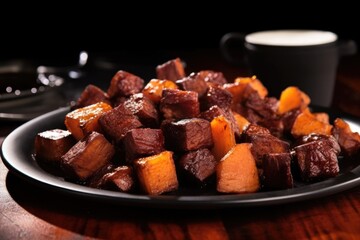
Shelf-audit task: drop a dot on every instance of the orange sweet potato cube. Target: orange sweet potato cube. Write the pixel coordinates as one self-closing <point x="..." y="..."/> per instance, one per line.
<point x="307" y="123"/>
<point x="223" y="136"/>
<point x="241" y="121"/>
<point x="237" y="171"/>
<point x="157" y="173"/>
<point x="82" y="121"/>
<point x="254" y="83"/>
<point x="292" y="98"/>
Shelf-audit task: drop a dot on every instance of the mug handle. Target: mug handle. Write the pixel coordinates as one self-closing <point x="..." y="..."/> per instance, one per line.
<point x="347" y="48"/>
<point x="227" y="47"/>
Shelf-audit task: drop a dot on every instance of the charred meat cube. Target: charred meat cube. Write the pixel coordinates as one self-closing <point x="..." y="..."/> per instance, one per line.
<point x="178" y="104"/>
<point x="198" y="166"/>
<point x="193" y="82"/>
<point x="349" y="141"/>
<point x="50" y="145"/>
<point x="82" y="121"/>
<point x="119" y="179"/>
<point x="288" y="119"/>
<point x="157" y="173"/>
<point x="265" y="107"/>
<point x="187" y="134"/>
<point x="277" y="171"/>
<point x="91" y="95"/>
<point x="263" y="144"/>
<point x="143" y="142"/>
<point x="254" y="129"/>
<point x="124" y="84"/>
<point x="117" y="122"/>
<point x="87" y="156"/>
<point x="144" y="109"/>
<point x="216" y="95"/>
<point x="317" y="159"/>
<point x="171" y="70"/>
<point x="216" y="111"/>
<point x="212" y="77"/>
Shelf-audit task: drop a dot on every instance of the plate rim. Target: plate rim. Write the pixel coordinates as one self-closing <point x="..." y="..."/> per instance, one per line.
<point x="12" y="157"/>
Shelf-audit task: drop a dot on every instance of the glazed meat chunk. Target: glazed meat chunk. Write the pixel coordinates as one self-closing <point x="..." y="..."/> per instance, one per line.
<point x="171" y="70"/>
<point x="187" y="134"/>
<point x="178" y="104"/>
<point x="87" y="156"/>
<point x="142" y="142"/>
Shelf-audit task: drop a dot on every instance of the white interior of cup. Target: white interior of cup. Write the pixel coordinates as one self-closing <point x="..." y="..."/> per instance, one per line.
<point x="291" y="37"/>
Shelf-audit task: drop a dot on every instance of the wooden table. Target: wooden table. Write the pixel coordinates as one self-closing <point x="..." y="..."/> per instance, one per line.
<point x="30" y="212"/>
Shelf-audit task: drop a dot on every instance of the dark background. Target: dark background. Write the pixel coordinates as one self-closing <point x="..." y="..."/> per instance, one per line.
<point x="57" y="32"/>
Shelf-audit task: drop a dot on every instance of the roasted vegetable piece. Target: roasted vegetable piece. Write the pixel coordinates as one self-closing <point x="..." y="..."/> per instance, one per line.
<point x="82" y="121"/>
<point x="241" y="122"/>
<point x="306" y="123"/>
<point x="143" y="142"/>
<point x="254" y="83"/>
<point x="237" y="172"/>
<point x="117" y="122"/>
<point x="124" y="84"/>
<point x="223" y="137"/>
<point x="349" y="141"/>
<point x="87" y="156"/>
<point x="178" y="104"/>
<point x="91" y="95"/>
<point x="277" y="171"/>
<point x="317" y="159"/>
<point x="187" y="134"/>
<point x="157" y="173"/>
<point x="153" y="89"/>
<point x="50" y="145"/>
<point x="292" y="98"/>
<point x="216" y="111"/>
<point x="171" y="70"/>
<point x="198" y="166"/>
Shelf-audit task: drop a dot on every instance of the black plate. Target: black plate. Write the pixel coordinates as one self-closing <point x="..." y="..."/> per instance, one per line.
<point x="18" y="146"/>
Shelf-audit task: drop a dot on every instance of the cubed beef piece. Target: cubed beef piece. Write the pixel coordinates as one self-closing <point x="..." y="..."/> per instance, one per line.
<point x="254" y="129"/>
<point x="171" y="70"/>
<point x="144" y="109"/>
<point x="91" y="95"/>
<point x="349" y="141"/>
<point x="143" y="142"/>
<point x="178" y="104"/>
<point x="263" y="144"/>
<point x="317" y="159"/>
<point x="198" y="166"/>
<point x="50" y="145"/>
<point x="193" y="82"/>
<point x="87" y="156"/>
<point x="288" y="119"/>
<point x="216" y="95"/>
<point x="124" y="84"/>
<point x="117" y="179"/>
<point x="187" y="134"/>
<point x="117" y="122"/>
<point x="277" y="171"/>
<point x="212" y="77"/>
